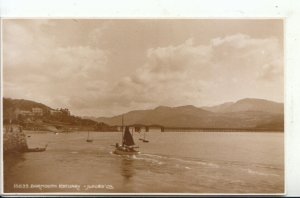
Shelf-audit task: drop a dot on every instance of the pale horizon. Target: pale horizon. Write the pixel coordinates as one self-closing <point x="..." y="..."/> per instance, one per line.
<point x="108" y="67"/>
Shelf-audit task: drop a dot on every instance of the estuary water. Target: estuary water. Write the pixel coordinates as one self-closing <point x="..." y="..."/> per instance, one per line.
<point x="172" y="162"/>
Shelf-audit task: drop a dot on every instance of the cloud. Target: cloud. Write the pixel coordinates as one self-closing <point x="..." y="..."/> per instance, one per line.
<point x="35" y="67"/>
<point x="65" y="65"/>
<point x="194" y="74"/>
<point x="240" y="52"/>
<point x="175" y="59"/>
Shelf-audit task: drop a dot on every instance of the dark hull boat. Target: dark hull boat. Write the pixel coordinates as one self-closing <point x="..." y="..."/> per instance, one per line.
<point x="37" y="149"/>
<point x="121" y="150"/>
<point x="128" y="147"/>
<point x="144" y="139"/>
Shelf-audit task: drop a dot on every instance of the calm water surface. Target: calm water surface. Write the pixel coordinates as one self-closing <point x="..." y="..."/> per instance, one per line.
<point x="190" y="162"/>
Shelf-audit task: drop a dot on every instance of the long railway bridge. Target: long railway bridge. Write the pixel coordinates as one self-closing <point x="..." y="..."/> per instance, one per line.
<point x="147" y="128"/>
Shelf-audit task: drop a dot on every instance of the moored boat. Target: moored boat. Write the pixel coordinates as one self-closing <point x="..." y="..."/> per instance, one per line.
<point x="36" y="149"/>
<point x="88" y="138"/>
<point x="144" y="139"/>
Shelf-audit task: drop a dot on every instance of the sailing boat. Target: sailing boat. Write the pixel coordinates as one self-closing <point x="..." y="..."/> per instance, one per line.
<point x="144" y="139"/>
<point x="128" y="145"/>
<point x="88" y="138"/>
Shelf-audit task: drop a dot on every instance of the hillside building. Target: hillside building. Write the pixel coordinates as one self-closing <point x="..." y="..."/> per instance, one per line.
<point x="37" y="111"/>
<point x="55" y="112"/>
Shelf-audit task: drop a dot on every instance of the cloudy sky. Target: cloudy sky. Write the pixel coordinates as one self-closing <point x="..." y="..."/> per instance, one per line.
<point x="107" y="67"/>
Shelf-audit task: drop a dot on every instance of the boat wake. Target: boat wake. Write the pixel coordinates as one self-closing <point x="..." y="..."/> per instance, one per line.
<point x="252" y="172"/>
<point x="178" y="162"/>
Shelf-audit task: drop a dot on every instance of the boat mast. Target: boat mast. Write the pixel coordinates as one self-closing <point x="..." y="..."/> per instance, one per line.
<point x="122" y="129"/>
<point x="132" y="131"/>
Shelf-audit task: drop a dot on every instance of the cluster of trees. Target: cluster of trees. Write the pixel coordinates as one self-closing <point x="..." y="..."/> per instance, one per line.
<point x="69" y="119"/>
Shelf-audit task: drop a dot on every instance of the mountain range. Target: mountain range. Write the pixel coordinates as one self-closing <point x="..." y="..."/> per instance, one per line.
<point x="248" y="104"/>
<point x="245" y="113"/>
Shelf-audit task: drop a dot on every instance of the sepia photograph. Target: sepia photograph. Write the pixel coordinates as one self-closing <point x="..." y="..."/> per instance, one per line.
<point x="191" y="106"/>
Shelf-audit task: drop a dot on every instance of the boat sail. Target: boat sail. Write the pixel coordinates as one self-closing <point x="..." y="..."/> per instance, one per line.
<point x="144" y="139"/>
<point x="127" y="138"/>
<point x="88" y="138"/>
<point x="128" y="145"/>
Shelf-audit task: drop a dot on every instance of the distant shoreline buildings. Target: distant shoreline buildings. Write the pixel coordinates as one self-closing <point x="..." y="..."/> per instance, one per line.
<point x="60" y="111"/>
<point x="39" y="112"/>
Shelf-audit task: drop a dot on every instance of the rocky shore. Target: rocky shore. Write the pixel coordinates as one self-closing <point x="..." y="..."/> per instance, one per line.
<point x="14" y="139"/>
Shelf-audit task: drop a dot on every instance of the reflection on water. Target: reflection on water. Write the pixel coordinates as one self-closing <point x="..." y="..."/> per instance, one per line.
<point x="171" y="162"/>
<point x="127" y="167"/>
<point x="13" y="159"/>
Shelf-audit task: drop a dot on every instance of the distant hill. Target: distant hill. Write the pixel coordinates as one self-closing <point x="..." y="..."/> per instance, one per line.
<point x="246" y="113"/>
<point x="47" y="121"/>
<point x="23" y="104"/>
<point x="9" y="105"/>
<point x="248" y="104"/>
<point x="167" y="116"/>
<point x="219" y="108"/>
